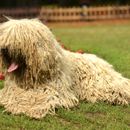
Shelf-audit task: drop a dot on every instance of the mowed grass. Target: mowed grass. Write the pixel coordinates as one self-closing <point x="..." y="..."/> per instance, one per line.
<point x="112" y="43"/>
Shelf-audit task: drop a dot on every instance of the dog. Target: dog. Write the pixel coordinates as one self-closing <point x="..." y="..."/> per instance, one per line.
<point x="42" y="76"/>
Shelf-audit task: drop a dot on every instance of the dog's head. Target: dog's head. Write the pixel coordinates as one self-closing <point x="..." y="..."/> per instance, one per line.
<point x="29" y="50"/>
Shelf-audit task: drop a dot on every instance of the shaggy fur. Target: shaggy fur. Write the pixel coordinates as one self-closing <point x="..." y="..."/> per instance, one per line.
<point x="48" y="76"/>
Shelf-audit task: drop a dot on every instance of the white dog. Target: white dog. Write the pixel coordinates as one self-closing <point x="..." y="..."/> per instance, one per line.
<point x="42" y="76"/>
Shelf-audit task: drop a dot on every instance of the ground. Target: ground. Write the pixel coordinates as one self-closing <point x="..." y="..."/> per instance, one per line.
<point x="111" y="41"/>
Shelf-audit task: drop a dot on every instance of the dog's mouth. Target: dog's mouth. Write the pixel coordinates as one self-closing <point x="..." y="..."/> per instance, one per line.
<point x="14" y="66"/>
<point x="14" y="61"/>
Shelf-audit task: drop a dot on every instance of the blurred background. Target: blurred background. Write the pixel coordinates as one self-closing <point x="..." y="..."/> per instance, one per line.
<point x="100" y="27"/>
<point x="63" y="3"/>
<point x="66" y="10"/>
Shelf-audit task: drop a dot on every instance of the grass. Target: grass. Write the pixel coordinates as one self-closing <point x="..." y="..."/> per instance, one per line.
<point x="112" y="43"/>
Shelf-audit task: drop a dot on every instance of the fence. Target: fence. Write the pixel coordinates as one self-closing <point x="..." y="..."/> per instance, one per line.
<point x="84" y="13"/>
<point x="69" y="14"/>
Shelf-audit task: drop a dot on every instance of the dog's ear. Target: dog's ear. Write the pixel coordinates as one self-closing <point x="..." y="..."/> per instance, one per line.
<point x="7" y="18"/>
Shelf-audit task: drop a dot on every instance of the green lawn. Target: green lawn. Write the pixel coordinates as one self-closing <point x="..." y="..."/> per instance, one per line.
<point x="112" y="43"/>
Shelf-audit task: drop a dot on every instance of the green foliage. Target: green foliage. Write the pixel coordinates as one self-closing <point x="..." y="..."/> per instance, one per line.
<point x="111" y="42"/>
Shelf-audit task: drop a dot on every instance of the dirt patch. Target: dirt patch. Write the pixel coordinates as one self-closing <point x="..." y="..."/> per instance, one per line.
<point x="63" y="120"/>
<point x="69" y="122"/>
<point x="88" y="23"/>
<point x="128" y="124"/>
<point x="95" y="114"/>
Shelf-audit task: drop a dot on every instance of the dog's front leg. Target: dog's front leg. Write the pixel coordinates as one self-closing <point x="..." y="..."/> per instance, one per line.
<point x="35" y="103"/>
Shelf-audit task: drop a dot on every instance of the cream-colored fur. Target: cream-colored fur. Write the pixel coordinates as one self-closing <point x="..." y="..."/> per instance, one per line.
<point x="53" y="76"/>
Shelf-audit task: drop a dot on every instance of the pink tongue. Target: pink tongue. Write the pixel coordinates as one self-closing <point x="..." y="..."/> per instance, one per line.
<point x="12" y="67"/>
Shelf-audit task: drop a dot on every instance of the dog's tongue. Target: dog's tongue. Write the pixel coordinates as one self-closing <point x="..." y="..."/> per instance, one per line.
<point x="12" y="67"/>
